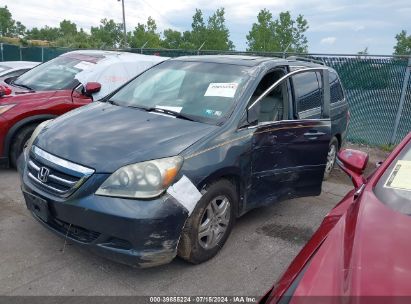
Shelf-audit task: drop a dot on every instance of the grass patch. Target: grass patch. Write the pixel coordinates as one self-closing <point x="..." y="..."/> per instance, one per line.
<point x="387" y="147"/>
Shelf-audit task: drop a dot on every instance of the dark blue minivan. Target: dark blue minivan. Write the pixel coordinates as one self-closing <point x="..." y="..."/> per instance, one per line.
<point x="164" y="165"/>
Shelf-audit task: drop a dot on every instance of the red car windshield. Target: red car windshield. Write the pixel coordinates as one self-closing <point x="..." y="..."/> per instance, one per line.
<point x="394" y="186"/>
<point x="56" y="74"/>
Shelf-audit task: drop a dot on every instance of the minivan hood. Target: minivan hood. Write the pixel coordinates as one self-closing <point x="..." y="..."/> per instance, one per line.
<point x="106" y="137"/>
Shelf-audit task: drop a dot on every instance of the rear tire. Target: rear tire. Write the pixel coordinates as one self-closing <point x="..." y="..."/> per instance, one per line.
<point x="19" y="141"/>
<point x="210" y="224"/>
<point x="331" y="157"/>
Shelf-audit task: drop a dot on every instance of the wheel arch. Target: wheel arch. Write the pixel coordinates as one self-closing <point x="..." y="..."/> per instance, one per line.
<point x="14" y="130"/>
<point x="339" y="139"/>
<point x="231" y="174"/>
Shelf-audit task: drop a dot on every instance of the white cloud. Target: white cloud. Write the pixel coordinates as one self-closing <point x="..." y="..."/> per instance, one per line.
<point x="359" y="28"/>
<point x="328" y="40"/>
<point x="348" y="22"/>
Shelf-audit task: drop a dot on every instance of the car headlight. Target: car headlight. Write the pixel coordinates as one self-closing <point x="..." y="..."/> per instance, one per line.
<point x="142" y="180"/>
<point x="35" y="133"/>
<point x="5" y="108"/>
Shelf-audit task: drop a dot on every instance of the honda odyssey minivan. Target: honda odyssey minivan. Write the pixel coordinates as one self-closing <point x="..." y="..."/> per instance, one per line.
<point x="164" y="165"/>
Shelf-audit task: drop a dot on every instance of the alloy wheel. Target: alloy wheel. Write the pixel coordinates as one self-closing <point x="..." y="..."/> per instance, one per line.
<point x="331" y="156"/>
<point x="214" y="222"/>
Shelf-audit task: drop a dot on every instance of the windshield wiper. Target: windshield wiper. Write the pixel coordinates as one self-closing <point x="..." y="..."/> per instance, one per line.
<point x="160" y="110"/>
<point x="169" y="112"/>
<point x="23" y="86"/>
<point x="110" y="101"/>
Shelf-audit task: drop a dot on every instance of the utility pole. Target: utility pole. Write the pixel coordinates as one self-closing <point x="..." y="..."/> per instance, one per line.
<point x="124" y="24"/>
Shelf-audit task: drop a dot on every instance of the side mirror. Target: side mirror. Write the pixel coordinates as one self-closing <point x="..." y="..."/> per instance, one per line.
<point x="353" y="162"/>
<point x="4" y="91"/>
<point x="92" y="87"/>
<point x="252" y="114"/>
<point x="250" y="117"/>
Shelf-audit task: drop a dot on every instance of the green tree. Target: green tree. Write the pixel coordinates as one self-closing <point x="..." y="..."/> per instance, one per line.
<point x="108" y="34"/>
<point x="198" y="34"/>
<point x="260" y="37"/>
<point x="403" y="46"/>
<point x="172" y="39"/>
<point x="217" y="34"/>
<point x="8" y="26"/>
<point x="6" y="22"/>
<point x="145" y="33"/>
<point x="278" y="35"/>
<point x="68" y="28"/>
<point x="19" y="29"/>
<point x="80" y="39"/>
<point x="45" y="33"/>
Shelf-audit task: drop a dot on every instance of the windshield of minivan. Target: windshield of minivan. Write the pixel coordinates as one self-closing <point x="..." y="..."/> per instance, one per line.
<point x="394" y="186"/>
<point x="56" y="74"/>
<point x="205" y="92"/>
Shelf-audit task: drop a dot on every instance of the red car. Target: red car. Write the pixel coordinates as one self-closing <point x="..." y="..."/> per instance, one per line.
<point x="363" y="246"/>
<point x="58" y="86"/>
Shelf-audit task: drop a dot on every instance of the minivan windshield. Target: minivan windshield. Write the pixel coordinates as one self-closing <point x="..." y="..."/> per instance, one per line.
<point x="394" y="186"/>
<point x="204" y="92"/>
<point x="56" y="74"/>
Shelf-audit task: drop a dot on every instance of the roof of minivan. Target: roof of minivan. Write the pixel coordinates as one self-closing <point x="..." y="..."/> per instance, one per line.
<point x="231" y="59"/>
<point x="246" y="60"/>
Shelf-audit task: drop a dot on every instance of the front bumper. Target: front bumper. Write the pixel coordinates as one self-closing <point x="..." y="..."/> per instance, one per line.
<point x="141" y="233"/>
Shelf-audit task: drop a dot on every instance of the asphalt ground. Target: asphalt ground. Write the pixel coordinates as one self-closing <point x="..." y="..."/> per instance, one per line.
<point x="34" y="261"/>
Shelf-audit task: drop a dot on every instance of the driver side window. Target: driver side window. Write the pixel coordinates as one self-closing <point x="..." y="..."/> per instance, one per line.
<point x="274" y="106"/>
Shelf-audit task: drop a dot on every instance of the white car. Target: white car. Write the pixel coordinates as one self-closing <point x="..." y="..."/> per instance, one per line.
<point x="15" y="68"/>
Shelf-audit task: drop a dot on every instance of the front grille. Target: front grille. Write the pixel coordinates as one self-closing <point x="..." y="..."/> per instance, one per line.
<point x="74" y="232"/>
<point x="55" y="175"/>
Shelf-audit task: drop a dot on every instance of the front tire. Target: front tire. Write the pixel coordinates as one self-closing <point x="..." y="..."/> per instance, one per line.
<point x="210" y="224"/>
<point x="19" y="142"/>
<point x="331" y="157"/>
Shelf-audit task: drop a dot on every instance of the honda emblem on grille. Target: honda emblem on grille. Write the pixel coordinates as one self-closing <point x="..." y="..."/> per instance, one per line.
<point x="43" y="174"/>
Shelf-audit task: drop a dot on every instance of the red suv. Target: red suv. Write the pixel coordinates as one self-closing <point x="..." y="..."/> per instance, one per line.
<point x="53" y="88"/>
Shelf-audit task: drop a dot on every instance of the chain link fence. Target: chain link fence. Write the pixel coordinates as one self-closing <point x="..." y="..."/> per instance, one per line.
<point x="378" y="88"/>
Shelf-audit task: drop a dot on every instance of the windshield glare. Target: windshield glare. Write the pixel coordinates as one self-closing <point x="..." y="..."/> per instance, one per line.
<point x="205" y="92"/>
<point x="56" y="74"/>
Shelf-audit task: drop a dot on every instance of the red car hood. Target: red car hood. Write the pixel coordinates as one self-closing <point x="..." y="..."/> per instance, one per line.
<point x="367" y="253"/>
<point x="19" y="95"/>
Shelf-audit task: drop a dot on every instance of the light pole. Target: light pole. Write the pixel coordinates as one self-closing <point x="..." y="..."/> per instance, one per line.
<point x="124" y="24"/>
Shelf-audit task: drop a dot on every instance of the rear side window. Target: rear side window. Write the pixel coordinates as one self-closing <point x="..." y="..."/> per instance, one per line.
<point x="307" y="91"/>
<point x="336" y="91"/>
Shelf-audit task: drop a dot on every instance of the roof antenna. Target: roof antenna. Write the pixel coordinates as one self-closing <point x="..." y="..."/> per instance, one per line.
<point x="286" y="49"/>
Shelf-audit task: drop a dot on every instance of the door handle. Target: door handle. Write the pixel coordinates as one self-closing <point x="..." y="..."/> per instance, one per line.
<point x="314" y="134"/>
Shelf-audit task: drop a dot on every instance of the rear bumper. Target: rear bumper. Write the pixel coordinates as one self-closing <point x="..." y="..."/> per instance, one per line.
<point x="133" y="232"/>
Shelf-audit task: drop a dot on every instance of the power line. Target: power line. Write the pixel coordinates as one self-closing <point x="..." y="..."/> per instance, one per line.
<point x="158" y="12"/>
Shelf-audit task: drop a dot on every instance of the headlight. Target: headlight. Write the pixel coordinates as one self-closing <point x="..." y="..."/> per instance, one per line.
<point x="35" y="133"/>
<point x="142" y="180"/>
<point x="5" y="108"/>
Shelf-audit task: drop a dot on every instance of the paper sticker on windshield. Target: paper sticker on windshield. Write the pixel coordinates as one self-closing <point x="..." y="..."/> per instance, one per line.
<point x="84" y="65"/>
<point x="221" y="89"/>
<point x="400" y="177"/>
<point x="213" y="113"/>
<point x="170" y="108"/>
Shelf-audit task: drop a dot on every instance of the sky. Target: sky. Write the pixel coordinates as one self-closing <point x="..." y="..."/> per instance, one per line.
<point x="336" y="26"/>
